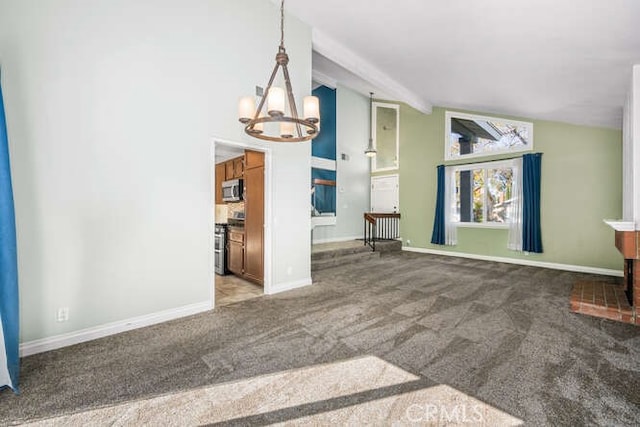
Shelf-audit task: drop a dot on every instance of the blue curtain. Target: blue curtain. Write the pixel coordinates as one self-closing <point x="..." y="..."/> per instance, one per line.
<point x="438" y="235"/>
<point x="9" y="319"/>
<point x="531" y="233"/>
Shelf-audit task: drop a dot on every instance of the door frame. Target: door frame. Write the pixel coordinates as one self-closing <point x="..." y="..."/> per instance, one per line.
<point x="396" y="175"/>
<point x="268" y="209"/>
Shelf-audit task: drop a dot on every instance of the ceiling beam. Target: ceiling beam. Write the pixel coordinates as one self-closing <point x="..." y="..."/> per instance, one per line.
<point x="354" y="63"/>
<point x="323" y="79"/>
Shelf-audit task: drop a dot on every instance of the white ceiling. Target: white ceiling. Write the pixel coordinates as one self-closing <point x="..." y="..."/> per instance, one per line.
<point x="565" y="60"/>
<point x="226" y="152"/>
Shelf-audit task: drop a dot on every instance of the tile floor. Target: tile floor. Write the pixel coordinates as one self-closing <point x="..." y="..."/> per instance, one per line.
<point x="231" y="289"/>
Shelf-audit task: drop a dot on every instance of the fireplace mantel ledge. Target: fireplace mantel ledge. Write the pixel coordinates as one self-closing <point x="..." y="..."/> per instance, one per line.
<point x="620" y="225"/>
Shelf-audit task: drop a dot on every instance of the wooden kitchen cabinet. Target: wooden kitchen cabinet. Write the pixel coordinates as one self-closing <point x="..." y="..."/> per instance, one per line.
<point x="220" y="177"/>
<point x="254" y="216"/>
<point x="238" y="167"/>
<point x="253" y="159"/>
<point x="235" y="251"/>
<point x="229" y="170"/>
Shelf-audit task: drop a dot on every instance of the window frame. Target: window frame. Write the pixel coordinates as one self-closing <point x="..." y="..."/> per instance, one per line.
<point x="447" y="135"/>
<point x="496" y="164"/>
<point x="374" y="135"/>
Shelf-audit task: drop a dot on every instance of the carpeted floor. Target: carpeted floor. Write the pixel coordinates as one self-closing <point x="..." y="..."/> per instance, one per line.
<point x="498" y="333"/>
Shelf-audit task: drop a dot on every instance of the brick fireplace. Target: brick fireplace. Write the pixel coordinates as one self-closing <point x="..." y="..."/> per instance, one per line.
<point x="608" y="300"/>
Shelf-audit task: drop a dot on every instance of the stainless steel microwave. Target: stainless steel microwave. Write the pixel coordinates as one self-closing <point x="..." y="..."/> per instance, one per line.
<point x="232" y="190"/>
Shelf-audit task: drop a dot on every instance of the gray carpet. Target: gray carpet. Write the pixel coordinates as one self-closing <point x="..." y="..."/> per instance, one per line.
<point x="498" y="332"/>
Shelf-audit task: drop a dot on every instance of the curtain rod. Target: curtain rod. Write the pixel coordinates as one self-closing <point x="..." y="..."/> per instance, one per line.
<point x="485" y="161"/>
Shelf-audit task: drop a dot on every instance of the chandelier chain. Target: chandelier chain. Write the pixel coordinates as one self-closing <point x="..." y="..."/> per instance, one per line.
<point x="282" y="25"/>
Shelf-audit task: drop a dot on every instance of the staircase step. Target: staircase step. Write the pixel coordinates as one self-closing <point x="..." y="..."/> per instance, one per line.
<point x="348" y="258"/>
<point x="339" y="252"/>
<point x="389" y="246"/>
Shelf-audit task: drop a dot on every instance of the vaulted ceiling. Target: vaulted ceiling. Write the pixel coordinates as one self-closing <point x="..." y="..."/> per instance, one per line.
<point x="564" y="60"/>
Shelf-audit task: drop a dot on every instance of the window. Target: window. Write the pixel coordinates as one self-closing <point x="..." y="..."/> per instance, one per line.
<point x="323" y="192"/>
<point x="386" y="136"/>
<point x="483" y="193"/>
<point x="469" y="135"/>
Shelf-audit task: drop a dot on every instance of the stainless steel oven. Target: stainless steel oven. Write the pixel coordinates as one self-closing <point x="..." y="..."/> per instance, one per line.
<point x="220" y="251"/>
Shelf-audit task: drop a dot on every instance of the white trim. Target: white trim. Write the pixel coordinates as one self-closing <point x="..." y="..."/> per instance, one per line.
<point x="620" y="225"/>
<point x="287" y="286"/>
<point x="268" y="206"/>
<point x="322" y="163"/>
<point x="323" y="79"/>
<point x="354" y="63"/>
<point x="489" y="164"/>
<point x="5" y="378"/>
<point x="447" y="135"/>
<point x="323" y="220"/>
<point x="498" y="225"/>
<point x="83" y="335"/>
<point x="542" y="264"/>
<point x="374" y="135"/>
<point x="337" y="239"/>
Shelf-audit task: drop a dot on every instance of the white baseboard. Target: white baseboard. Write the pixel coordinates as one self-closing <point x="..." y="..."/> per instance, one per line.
<point x="531" y="263"/>
<point x="337" y="239"/>
<point x="83" y="335"/>
<point x="287" y="286"/>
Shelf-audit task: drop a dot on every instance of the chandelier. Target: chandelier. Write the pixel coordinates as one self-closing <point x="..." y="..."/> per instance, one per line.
<point x="371" y="150"/>
<point x="292" y="128"/>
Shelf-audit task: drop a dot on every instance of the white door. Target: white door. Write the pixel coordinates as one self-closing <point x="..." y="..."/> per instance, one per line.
<point x="385" y="194"/>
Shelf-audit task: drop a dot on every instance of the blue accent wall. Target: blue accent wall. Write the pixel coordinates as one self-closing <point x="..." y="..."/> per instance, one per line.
<point x="324" y="145"/>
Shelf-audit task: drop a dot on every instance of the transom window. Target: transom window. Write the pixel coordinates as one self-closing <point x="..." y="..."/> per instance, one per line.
<point x="469" y="135"/>
<point x="483" y="193"/>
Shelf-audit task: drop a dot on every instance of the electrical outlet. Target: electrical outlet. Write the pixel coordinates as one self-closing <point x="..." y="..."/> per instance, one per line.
<point x="408" y="242"/>
<point x="62" y="315"/>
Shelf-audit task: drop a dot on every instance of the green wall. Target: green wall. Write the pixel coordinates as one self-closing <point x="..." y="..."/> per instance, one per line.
<point x="581" y="185"/>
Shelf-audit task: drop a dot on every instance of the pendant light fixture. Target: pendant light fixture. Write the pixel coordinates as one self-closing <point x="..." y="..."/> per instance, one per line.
<point x="370" y="151"/>
<point x="291" y="127"/>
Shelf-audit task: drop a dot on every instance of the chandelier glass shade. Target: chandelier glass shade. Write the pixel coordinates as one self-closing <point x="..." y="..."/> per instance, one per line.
<point x="272" y="107"/>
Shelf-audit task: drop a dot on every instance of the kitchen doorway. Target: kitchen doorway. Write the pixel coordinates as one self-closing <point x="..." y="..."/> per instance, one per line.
<point x="241" y="189"/>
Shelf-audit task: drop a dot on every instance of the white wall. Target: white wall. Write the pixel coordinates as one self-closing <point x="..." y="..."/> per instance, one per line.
<point x="352" y="197"/>
<point x="111" y="108"/>
<point x="631" y="151"/>
<point x="635" y="136"/>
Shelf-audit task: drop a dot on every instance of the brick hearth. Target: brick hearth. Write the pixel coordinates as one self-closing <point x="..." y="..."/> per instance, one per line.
<point x="610" y="301"/>
<point x="605" y="300"/>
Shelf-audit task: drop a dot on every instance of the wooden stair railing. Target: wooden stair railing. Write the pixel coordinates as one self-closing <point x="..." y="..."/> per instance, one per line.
<point x="380" y="226"/>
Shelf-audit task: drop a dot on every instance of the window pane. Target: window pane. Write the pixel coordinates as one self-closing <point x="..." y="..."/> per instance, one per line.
<point x="386" y="141"/>
<point x="476" y="135"/>
<point x="498" y="194"/>
<point x="456" y="201"/>
<point x="469" y="196"/>
<point x="478" y="194"/>
<point x="323" y="196"/>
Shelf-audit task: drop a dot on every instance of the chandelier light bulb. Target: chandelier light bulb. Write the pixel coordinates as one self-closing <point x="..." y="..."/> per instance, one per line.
<point x="275" y="101"/>
<point x="258" y="128"/>
<point x="287" y="129"/>
<point x="246" y="109"/>
<point x="311" y="107"/>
